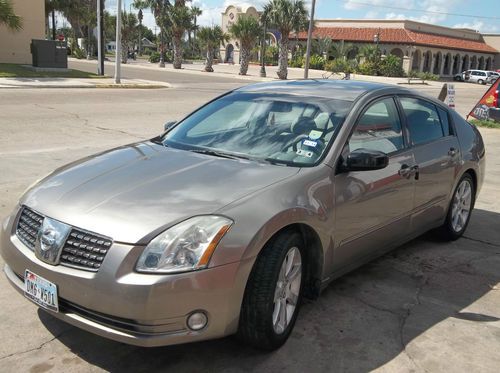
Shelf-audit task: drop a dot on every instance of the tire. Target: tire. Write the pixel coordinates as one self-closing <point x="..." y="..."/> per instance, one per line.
<point x="454" y="227"/>
<point x="481" y="81"/>
<point x="261" y="319"/>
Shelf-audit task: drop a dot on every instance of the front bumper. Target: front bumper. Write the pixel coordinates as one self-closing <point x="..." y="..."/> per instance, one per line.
<point x="140" y="309"/>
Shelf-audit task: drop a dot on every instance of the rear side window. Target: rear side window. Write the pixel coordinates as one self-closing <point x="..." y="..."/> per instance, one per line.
<point x="424" y="123"/>
<point x="379" y="128"/>
<point x="445" y="122"/>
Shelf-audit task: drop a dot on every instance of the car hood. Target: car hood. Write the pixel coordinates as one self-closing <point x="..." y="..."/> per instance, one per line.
<point x="133" y="192"/>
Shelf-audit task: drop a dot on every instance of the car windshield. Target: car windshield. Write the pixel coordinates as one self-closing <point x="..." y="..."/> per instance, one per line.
<point x="276" y="128"/>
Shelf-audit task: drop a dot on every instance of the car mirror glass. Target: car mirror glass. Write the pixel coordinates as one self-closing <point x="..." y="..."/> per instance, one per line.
<point x="366" y="160"/>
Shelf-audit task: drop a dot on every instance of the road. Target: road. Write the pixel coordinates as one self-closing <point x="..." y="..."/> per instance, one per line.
<point x="428" y="306"/>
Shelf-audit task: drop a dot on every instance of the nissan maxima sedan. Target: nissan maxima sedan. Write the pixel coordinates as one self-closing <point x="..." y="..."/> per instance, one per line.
<point x="224" y="223"/>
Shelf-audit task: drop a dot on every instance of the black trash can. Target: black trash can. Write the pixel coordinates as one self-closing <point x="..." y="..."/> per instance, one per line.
<point x="49" y="53"/>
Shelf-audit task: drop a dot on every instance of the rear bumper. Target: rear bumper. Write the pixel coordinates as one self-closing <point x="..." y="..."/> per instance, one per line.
<point x="129" y="307"/>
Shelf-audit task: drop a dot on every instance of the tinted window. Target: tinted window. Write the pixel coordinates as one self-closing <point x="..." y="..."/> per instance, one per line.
<point x="379" y="128"/>
<point x="423" y="120"/>
<point x="445" y="122"/>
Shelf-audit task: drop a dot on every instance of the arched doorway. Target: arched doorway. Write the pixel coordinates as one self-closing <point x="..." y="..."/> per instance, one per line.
<point x="427" y="61"/>
<point x="488" y="63"/>
<point x="397" y="52"/>
<point x="456" y="63"/>
<point x="417" y="58"/>
<point x="447" y="64"/>
<point x="466" y="63"/>
<point x="473" y="63"/>
<point x="229" y="58"/>
<point x="480" y="63"/>
<point x="437" y="63"/>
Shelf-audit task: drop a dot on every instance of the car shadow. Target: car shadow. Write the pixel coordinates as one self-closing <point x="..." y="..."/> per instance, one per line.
<point x="361" y="322"/>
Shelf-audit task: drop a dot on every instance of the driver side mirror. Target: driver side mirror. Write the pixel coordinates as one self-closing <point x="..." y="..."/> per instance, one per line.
<point x="365" y="160"/>
<point x="169" y="125"/>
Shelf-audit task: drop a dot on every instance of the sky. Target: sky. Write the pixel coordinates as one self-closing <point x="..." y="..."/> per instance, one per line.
<point x="476" y="15"/>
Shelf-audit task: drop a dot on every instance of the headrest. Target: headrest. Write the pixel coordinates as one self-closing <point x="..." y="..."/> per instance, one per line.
<point x="321" y="121"/>
<point x="303" y="125"/>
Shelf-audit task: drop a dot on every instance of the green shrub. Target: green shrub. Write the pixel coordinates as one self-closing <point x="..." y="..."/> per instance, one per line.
<point x="369" y="68"/>
<point x="428" y="76"/>
<point x="155" y="57"/>
<point x="340" y="65"/>
<point x="391" y="66"/>
<point x="316" y="62"/>
<point x="298" y="61"/>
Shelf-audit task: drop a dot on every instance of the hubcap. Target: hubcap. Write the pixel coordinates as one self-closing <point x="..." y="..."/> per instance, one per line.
<point x="287" y="290"/>
<point x="460" y="210"/>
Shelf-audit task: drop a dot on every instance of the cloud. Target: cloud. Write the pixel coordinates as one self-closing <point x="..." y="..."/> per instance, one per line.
<point x="477" y="26"/>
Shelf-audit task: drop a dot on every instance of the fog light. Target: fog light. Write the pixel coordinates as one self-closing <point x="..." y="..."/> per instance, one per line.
<point x="197" y="320"/>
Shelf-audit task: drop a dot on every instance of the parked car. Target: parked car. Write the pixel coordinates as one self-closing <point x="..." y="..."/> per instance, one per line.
<point x="225" y="222"/>
<point x="492" y="77"/>
<point x="459" y="77"/>
<point x="478" y="76"/>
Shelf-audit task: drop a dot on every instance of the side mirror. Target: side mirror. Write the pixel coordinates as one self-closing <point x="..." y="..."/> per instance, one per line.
<point x="169" y="125"/>
<point x="366" y="160"/>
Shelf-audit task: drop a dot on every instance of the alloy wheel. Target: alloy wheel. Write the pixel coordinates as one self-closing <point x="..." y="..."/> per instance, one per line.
<point x="462" y="204"/>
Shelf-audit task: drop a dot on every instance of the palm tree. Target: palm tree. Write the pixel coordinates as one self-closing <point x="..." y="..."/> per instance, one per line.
<point x="285" y="16"/>
<point x="247" y="30"/>
<point x="323" y="46"/>
<point x="180" y="21"/>
<point x="195" y="13"/>
<point x="211" y="38"/>
<point x="341" y="49"/>
<point x="8" y="17"/>
<point x="129" y="33"/>
<point x="369" y="52"/>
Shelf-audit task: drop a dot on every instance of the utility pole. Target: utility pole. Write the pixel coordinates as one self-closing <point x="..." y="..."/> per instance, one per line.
<point x="309" y="40"/>
<point x="100" y="37"/>
<point x="263" y="52"/>
<point x="140" y="16"/>
<point x="118" y="50"/>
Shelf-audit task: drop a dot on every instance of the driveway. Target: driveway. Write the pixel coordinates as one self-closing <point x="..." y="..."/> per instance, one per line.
<point x="427" y="306"/>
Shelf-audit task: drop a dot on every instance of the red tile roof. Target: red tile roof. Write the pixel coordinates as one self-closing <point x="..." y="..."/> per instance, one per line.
<point x="398" y="35"/>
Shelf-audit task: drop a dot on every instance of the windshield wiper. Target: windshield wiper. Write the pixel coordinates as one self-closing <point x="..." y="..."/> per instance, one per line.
<point x="216" y="153"/>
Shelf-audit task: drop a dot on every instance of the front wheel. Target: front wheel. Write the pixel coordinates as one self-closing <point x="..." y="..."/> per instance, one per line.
<point x="460" y="209"/>
<point x="273" y="293"/>
<point x="480" y="81"/>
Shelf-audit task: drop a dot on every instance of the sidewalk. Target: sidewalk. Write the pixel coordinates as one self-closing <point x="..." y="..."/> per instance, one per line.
<point x="79" y="83"/>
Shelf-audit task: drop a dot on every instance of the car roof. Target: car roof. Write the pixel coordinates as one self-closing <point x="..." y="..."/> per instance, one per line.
<point x="339" y="89"/>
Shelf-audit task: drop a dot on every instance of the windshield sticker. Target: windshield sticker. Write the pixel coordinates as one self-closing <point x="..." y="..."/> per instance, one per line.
<point x="310" y="143"/>
<point x="304" y="153"/>
<point x="314" y="135"/>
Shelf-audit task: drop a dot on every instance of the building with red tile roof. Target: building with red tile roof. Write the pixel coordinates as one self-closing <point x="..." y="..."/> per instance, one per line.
<point x="424" y="47"/>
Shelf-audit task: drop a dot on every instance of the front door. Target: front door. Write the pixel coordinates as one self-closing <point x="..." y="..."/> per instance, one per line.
<point x="372" y="208"/>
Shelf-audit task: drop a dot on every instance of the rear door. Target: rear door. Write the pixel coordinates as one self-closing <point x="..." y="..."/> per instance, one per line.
<point x="436" y="152"/>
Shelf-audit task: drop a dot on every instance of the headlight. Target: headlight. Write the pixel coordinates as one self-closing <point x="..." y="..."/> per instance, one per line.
<point x="184" y="247"/>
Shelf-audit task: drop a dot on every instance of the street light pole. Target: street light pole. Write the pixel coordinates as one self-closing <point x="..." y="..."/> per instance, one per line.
<point x="118" y="50"/>
<point x="309" y="40"/>
<point x="100" y="37"/>
<point x="263" y="53"/>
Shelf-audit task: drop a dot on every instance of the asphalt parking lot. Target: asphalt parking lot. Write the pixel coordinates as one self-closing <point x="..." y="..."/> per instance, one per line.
<point x="428" y="306"/>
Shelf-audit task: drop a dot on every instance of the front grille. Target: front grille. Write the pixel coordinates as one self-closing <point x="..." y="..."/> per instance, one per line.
<point x="82" y="249"/>
<point x="28" y="226"/>
<point x="85" y="250"/>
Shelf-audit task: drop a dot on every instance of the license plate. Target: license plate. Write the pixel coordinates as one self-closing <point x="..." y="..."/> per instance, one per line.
<point x="40" y="291"/>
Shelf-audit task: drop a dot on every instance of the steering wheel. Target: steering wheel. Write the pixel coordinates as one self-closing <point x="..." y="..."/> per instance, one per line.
<point x="293" y="143"/>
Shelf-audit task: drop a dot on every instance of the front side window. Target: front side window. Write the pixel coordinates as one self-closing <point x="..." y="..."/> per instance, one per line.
<point x="379" y="128"/>
<point x="423" y="120"/>
<point x="276" y="128"/>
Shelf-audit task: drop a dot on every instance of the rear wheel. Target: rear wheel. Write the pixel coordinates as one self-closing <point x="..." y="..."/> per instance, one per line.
<point x="273" y="293"/>
<point x="460" y="209"/>
<point x="481" y="81"/>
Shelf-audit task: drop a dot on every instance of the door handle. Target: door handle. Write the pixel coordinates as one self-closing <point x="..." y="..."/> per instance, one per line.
<point x="452" y="152"/>
<point x="407" y="171"/>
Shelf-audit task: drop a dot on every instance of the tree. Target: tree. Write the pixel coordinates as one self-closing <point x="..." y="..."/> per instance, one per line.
<point x="370" y="53"/>
<point x="211" y="38"/>
<point x="341" y="49"/>
<point x="180" y="21"/>
<point x="129" y="33"/>
<point x="322" y="47"/>
<point x="8" y="17"/>
<point x="247" y="30"/>
<point x="195" y="13"/>
<point x="285" y="16"/>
